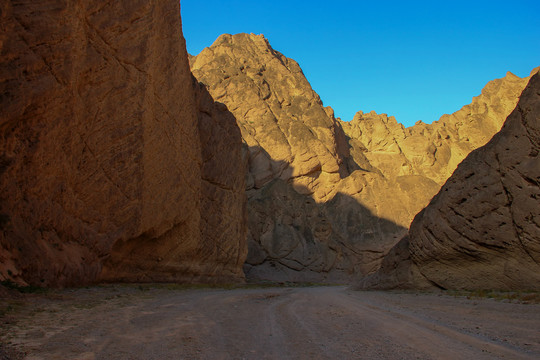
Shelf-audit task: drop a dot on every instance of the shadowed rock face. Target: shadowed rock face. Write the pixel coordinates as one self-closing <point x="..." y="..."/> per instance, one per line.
<point x="298" y="161"/>
<point x="295" y="147"/>
<point x="301" y="239"/>
<point x="482" y="230"/>
<point x="110" y="164"/>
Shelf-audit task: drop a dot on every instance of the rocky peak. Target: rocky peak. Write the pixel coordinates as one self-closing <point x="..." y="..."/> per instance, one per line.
<point x="277" y="111"/>
<point x="434" y="150"/>
<point x="481" y="231"/>
<point x="328" y="198"/>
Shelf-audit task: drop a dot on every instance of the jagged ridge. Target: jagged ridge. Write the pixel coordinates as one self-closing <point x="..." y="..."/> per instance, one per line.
<point x="482" y="230"/>
<point x="373" y="172"/>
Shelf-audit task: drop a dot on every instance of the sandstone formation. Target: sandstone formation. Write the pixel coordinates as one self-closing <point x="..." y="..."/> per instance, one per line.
<point x="111" y="164"/>
<point x="297" y="157"/>
<point x="327" y="198"/>
<point x="288" y="131"/>
<point x="482" y="230"/>
<point x="434" y="151"/>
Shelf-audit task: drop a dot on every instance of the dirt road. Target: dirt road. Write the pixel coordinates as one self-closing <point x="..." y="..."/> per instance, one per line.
<point x="125" y="322"/>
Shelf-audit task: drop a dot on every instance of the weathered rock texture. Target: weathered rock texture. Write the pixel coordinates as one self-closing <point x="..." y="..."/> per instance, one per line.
<point x="434" y="151"/>
<point x="482" y="230"/>
<point x="297" y="156"/>
<point x="329" y="198"/>
<point x="111" y="164"/>
<point x="288" y="132"/>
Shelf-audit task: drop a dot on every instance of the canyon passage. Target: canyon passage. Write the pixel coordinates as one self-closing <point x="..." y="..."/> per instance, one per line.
<point x="155" y="204"/>
<point x="128" y="322"/>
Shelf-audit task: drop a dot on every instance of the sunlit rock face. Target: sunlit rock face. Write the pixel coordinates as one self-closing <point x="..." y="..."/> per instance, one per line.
<point x="110" y="167"/>
<point x="482" y="230"/>
<point x="435" y="150"/>
<point x="327" y="198"/>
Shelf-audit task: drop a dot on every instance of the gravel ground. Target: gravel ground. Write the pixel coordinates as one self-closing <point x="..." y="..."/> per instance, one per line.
<point x="167" y="322"/>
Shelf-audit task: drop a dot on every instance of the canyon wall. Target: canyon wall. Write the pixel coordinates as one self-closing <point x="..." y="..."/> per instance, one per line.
<point x="328" y="198"/>
<point x="482" y="230"/>
<point x="111" y="167"/>
<point x="117" y="165"/>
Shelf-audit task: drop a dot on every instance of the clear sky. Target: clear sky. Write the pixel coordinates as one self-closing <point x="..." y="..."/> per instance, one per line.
<point x="415" y="60"/>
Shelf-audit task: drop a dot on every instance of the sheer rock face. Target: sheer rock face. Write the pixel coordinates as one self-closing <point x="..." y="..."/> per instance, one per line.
<point x="223" y="197"/>
<point x="105" y="160"/>
<point x="362" y="181"/>
<point x="482" y="230"/>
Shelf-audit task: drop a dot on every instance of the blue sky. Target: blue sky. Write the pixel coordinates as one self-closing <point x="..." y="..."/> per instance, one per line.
<point x="415" y="60"/>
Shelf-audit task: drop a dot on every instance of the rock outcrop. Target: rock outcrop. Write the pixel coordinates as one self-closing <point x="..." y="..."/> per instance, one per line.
<point x="111" y="164"/>
<point x="298" y="157"/>
<point x="482" y="230"/>
<point x="434" y="151"/>
<point x="327" y="198"/>
<point x="290" y="135"/>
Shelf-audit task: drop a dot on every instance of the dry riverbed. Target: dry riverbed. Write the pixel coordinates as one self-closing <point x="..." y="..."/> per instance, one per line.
<point x="171" y="322"/>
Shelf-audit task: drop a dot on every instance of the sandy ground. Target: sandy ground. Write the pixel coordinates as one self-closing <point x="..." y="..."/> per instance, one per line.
<point x="125" y="322"/>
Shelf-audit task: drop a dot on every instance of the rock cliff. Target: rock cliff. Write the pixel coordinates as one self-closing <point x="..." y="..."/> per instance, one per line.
<point x="111" y="164"/>
<point x="288" y="132"/>
<point x="482" y="230"/>
<point x="298" y="156"/>
<point x="327" y="198"/>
